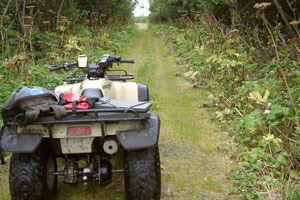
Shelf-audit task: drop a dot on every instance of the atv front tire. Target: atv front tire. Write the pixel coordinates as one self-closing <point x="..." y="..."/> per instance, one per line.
<point x="29" y="177"/>
<point x="142" y="174"/>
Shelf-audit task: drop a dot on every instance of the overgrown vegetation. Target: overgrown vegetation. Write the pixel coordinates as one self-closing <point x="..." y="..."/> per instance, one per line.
<point x="34" y="35"/>
<point x="248" y="57"/>
<point x="141" y="19"/>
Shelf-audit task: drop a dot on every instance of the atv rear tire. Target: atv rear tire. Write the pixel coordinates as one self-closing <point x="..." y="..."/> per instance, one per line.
<point x="29" y="178"/>
<point x="142" y="174"/>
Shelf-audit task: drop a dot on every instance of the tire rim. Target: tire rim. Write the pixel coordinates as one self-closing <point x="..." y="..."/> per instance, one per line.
<point x="51" y="168"/>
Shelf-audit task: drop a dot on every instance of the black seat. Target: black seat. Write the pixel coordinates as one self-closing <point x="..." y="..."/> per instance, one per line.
<point x="92" y="92"/>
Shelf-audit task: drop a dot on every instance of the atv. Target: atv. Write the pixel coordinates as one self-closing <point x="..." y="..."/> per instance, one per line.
<point x="94" y="116"/>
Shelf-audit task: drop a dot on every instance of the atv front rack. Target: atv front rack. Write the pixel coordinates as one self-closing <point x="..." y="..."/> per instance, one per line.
<point x="123" y="76"/>
<point x="119" y="77"/>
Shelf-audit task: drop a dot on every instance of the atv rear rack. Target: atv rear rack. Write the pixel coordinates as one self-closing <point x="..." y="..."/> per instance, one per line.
<point x="86" y="116"/>
<point x="95" y="115"/>
<point x="106" y="110"/>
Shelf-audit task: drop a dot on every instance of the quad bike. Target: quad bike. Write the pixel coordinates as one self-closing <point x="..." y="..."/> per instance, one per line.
<point x="89" y="119"/>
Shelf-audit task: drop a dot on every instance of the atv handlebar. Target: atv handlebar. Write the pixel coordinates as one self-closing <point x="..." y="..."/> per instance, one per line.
<point x="55" y="68"/>
<point x="98" y="70"/>
<point x="107" y="60"/>
<point x="127" y="61"/>
<point x="66" y="66"/>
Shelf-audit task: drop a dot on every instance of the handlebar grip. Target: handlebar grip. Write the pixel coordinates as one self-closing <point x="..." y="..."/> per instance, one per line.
<point x="66" y="66"/>
<point x="55" y="68"/>
<point x="72" y="64"/>
<point x="127" y="61"/>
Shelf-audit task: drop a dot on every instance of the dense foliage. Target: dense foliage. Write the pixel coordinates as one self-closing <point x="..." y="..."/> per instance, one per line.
<point x="173" y="9"/>
<point x="24" y="25"/>
<point x="233" y="13"/>
<point x="35" y="34"/>
<point x="248" y="57"/>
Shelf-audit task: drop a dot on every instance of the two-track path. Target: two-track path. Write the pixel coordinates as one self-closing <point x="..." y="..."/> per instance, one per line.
<point x="193" y="162"/>
<point x="194" y="165"/>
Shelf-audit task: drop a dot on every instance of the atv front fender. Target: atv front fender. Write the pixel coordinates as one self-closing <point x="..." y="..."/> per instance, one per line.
<point x="11" y="141"/>
<point x="141" y="139"/>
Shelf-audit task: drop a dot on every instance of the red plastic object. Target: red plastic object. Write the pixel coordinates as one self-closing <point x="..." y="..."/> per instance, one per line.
<point x="68" y="96"/>
<point x="79" y="106"/>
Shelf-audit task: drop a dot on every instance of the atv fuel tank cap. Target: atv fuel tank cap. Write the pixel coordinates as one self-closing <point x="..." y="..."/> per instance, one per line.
<point x="82" y="61"/>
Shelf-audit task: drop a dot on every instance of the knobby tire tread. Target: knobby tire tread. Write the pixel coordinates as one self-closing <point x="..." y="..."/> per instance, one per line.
<point x="25" y="180"/>
<point x="27" y="176"/>
<point x="142" y="174"/>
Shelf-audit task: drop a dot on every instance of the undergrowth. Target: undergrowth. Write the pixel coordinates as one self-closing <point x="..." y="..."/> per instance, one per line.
<point x="255" y="95"/>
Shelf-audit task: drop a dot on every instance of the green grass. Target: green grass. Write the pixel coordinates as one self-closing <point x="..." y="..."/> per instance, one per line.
<point x="4" y="188"/>
<point x="192" y="166"/>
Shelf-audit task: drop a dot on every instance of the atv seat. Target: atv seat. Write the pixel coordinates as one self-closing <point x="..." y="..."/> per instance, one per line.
<point x="92" y="92"/>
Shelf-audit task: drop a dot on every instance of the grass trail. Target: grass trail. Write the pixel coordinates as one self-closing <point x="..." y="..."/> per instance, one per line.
<point x="193" y="167"/>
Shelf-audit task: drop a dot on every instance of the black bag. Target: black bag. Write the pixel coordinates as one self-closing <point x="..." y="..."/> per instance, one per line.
<point x="30" y="102"/>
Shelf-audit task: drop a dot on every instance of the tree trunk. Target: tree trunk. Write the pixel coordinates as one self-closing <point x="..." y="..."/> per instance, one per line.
<point x="284" y="18"/>
<point x="58" y="12"/>
<point x="7" y="6"/>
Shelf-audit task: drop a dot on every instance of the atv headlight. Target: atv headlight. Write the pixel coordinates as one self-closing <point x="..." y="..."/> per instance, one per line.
<point x="82" y="61"/>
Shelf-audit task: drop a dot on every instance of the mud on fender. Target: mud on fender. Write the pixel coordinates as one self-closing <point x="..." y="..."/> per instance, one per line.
<point x="11" y="141"/>
<point x="143" y="138"/>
